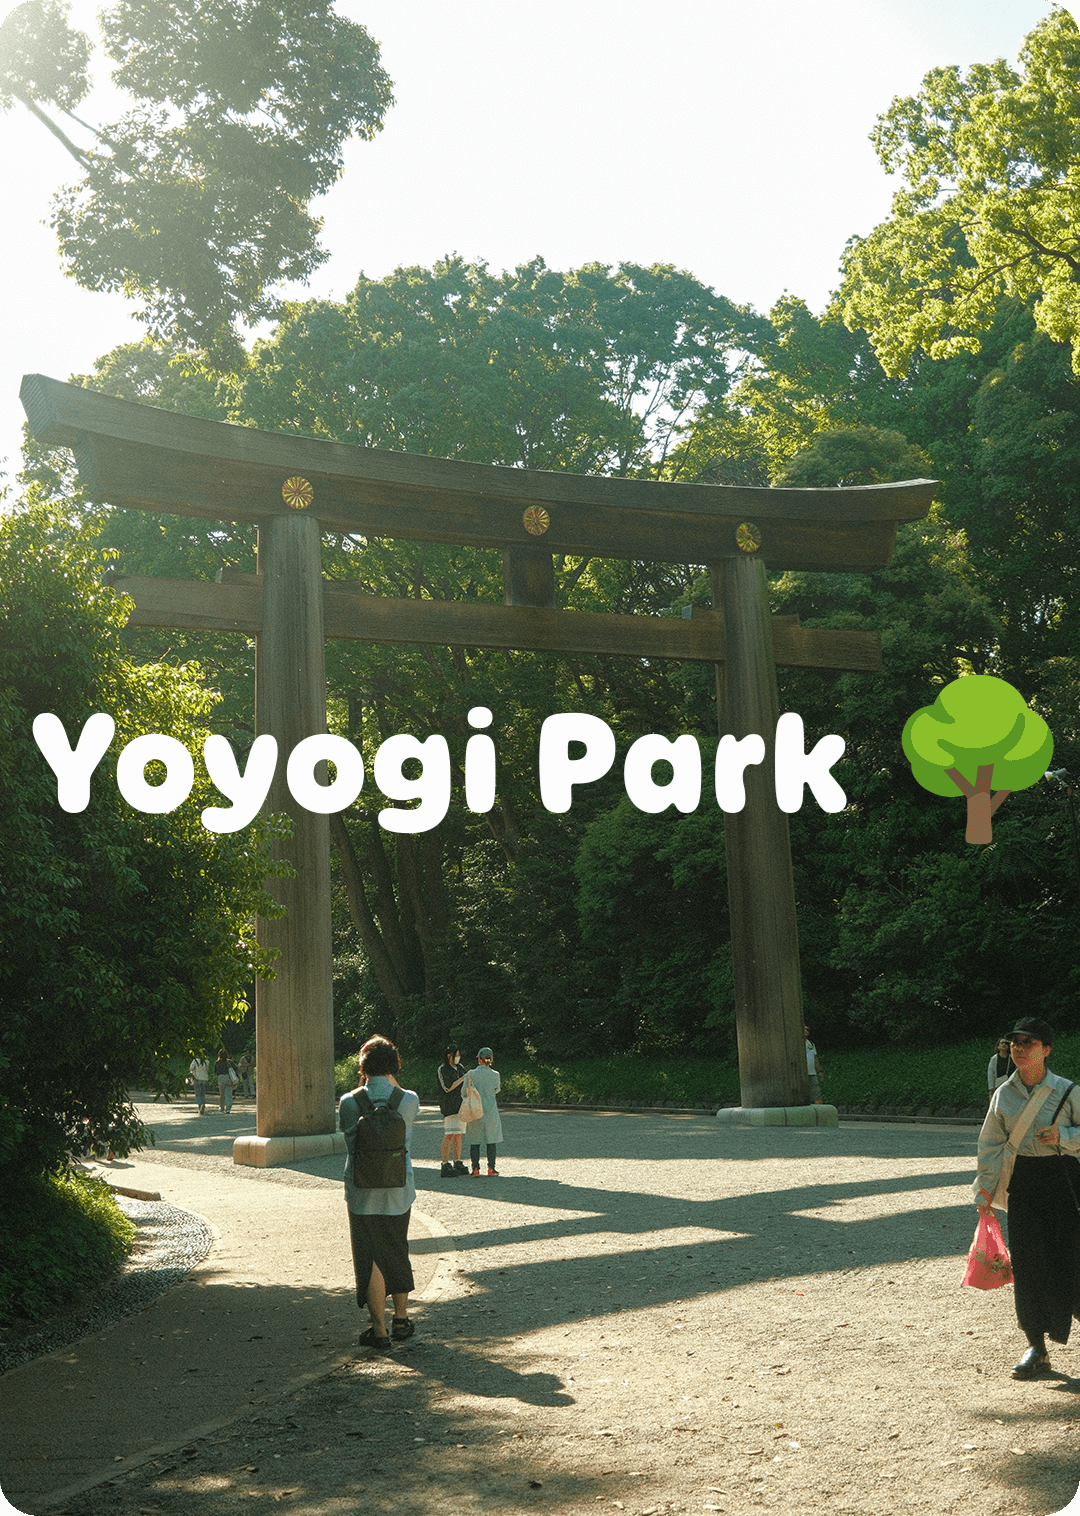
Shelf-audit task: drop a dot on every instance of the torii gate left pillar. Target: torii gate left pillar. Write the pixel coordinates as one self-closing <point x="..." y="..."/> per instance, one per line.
<point x="294" y="1011"/>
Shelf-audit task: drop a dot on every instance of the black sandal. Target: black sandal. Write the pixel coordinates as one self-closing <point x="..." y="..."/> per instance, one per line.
<point x="401" y="1328"/>
<point x="371" y="1339"/>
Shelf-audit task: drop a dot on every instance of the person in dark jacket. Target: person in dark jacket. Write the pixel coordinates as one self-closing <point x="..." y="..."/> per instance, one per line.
<point x="1001" y="1066"/>
<point x="451" y="1078"/>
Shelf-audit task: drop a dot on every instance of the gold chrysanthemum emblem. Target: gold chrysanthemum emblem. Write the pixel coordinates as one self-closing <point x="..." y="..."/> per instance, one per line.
<point x="748" y="537"/>
<point x="297" y="493"/>
<point x="536" y="520"/>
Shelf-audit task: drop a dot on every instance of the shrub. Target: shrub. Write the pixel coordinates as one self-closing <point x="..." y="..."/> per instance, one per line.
<point x="61" y="1233"/>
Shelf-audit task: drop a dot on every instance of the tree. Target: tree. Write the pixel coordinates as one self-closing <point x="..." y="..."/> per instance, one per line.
<point x="989" y="210"/>
<point x="654" y="967"/>
<point x="128" y="938"/>
<point x="592" y="370"/>
<point x="854" y="455"/>
<point x="1020" y="513"/>
<point x="6" y="6"/>
<point x="195" y="200"/>
<point x="978" y="732"/>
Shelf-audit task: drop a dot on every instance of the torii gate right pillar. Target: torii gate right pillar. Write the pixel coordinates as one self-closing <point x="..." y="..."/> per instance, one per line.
<point x="761" y="891"/>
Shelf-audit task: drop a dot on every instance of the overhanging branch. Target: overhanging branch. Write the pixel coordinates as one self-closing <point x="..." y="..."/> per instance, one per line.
<point x="81" y="158"/>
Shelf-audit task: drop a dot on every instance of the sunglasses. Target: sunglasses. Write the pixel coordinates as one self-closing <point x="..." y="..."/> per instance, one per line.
<point x="1023" y="1042"/>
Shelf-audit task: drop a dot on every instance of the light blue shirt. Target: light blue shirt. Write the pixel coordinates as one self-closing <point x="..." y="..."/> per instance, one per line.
<point x="1008" y="1102"/>
<point x="378" y="1202"/>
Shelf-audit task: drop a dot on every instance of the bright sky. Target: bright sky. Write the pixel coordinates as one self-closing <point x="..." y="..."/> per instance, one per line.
<point x="727" y="138"/>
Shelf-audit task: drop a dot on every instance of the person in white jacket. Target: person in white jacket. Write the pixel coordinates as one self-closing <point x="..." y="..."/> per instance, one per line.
<point x="199" y="1069"/>
<point x="488" y="1127"/>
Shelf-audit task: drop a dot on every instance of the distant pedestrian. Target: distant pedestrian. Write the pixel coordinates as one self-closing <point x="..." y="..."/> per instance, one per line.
<point x="488" y="1128"/>
<point x="814" y="1072"/>
<point x="1001" y="1066"/>
<point x="451" y="1077"/>
<point x="224" y="1080"/>
<point x="379" y="1213"/>
<point x="246" y="1070"/>
<point x="199" y="1069"/>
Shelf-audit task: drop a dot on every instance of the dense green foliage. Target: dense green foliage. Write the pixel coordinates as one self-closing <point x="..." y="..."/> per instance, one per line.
<point x="127" y="937"/>
<point x="989" y="208"/>
<point x="62" y="1233"/>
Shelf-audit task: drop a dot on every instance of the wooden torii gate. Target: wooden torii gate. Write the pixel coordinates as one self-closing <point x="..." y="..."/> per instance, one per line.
<point x="294" y="488"/>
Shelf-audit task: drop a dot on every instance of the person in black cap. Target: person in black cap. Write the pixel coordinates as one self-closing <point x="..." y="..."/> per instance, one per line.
<point x="1043" y="1190"/>
<point x="488" y="1127"/>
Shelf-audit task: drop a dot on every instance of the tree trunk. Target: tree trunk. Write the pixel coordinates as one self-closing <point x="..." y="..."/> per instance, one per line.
<point x="414" y="907"/>
<point x="385" y="972"/>
<point x="981" y="804"/>
<point x="385" y="908"/>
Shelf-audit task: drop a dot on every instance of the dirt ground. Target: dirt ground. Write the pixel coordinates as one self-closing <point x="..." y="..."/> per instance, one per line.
<point x="652" y="1314"/>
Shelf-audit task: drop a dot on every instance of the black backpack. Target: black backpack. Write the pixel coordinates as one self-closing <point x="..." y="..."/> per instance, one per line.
<point x="378" y="1160"/>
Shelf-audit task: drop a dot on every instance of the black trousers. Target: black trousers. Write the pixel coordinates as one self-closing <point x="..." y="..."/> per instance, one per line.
<point x="1044" y="1245"/>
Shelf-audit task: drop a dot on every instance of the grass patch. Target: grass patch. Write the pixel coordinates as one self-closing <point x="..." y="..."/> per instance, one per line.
<point x="922" y="1078"/>
<point x="59" y="1234"/>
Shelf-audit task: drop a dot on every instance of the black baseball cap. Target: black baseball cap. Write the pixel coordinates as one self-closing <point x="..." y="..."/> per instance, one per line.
<point x="1033" y="1026"/>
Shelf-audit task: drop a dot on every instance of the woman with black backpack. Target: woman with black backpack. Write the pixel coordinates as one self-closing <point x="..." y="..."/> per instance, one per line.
<point x="376" y="1119"/>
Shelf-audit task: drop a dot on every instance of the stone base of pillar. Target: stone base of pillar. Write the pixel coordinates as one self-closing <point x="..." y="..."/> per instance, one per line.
<point x="779" y="1115"/>
<point x="265" y="1152"/>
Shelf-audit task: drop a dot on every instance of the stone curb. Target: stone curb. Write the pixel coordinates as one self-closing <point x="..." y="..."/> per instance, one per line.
<point x="960" y="1119"/>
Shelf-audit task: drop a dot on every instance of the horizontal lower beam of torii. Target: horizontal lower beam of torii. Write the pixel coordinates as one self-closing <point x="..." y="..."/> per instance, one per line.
<point x="295" y="488"/>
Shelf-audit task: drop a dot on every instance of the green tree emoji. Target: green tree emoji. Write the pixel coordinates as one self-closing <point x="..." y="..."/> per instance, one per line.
<point x="979" y="732"/>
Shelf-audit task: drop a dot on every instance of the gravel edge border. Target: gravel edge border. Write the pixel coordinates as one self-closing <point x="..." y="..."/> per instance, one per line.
<point x="173" y="1242"/>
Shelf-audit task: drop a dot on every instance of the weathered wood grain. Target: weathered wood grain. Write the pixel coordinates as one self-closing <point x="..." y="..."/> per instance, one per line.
<point x="761" y="892"/>
<point x="294" y="1011"/>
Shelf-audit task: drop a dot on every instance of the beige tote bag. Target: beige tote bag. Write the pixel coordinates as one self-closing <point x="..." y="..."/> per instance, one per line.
<point x="1035" y="1104"/>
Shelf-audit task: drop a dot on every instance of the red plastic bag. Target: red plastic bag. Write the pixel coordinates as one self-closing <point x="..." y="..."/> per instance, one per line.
<point x="988" y="1263"/>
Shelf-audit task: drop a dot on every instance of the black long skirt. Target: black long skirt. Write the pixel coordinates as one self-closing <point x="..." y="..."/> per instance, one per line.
<point x="383" y="1240"/>
<point x="1044" y="1245"/>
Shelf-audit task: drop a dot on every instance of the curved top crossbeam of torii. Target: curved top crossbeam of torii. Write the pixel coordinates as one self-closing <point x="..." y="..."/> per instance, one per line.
<point x="152" y="459"/>
<point x="146" y="458"/>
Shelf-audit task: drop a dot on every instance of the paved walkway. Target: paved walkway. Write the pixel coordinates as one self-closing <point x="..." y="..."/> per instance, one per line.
<point x="650" y="1311"/>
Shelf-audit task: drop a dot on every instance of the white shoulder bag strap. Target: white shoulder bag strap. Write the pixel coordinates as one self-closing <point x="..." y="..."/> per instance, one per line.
<point x="1035" y="1104"/>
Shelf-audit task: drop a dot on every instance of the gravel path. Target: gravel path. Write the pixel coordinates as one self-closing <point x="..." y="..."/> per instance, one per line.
<point x="653" y="1313"/>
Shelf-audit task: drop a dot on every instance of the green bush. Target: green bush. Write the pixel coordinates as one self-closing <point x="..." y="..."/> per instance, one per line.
<point x="59" y="1234"/>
